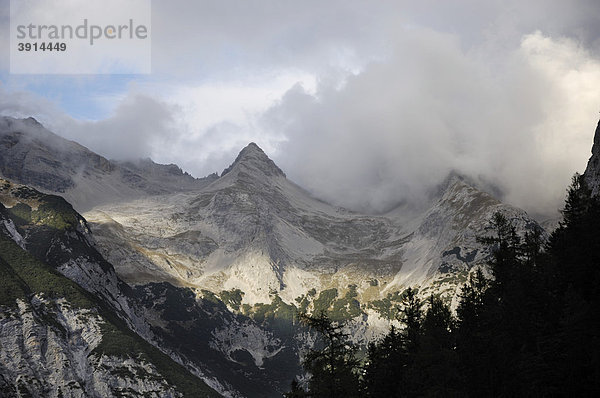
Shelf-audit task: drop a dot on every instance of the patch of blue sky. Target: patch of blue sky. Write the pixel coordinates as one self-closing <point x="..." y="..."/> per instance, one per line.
<point x="83" y="97"/>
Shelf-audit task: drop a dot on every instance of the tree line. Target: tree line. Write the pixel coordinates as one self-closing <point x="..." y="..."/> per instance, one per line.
<point x="532" y="328"/>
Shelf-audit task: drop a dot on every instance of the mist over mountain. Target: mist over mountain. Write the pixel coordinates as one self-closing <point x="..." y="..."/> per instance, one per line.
<point x="213" y="272"/>
<point x="31" y="154"/>
<point x="301" y="198"/>
<point x="384" y="99"/>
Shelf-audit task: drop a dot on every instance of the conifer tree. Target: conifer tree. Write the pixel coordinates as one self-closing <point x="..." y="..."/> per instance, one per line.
<point x="390" y="370"/>
<point x="575" y="245"/>
<point x="334" y="368"/>
<point x="531" y="329"/>
<point x="436" y="363"/>
<point x="386" y="361"/>
<point x="296" y="391"/>
<point x="473" y="335"/>
<point x="575" y="256"/>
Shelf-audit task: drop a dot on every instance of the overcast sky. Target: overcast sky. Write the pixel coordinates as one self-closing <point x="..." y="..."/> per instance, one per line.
<point x="363" y="103"/>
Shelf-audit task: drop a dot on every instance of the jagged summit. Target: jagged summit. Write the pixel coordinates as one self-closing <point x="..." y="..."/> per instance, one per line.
<point x="479" y="183"/>
<point x="253" y="157"/>
<point x="592" y="171"/>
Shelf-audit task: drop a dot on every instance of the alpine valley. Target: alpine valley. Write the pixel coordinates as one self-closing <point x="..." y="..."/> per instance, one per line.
<point x="137" y="279"/>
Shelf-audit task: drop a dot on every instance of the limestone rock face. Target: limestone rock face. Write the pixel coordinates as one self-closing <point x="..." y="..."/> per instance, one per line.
<point x="69" y="327"/>
<point x="222" y="350"/>
<point x="48" y="350"/>
<point x="254" y="231"/>
<point x="255" y="161"/>
<point x="592" y="172"/>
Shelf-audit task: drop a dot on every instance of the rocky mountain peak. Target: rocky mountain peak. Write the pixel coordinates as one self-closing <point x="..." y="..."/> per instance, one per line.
<point x="253" y="157"/>
<point x="592" y="171"/>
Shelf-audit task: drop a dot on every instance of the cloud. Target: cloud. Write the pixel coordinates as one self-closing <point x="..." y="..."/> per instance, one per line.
<point x="21" y="103"/>
<point x="224" y="38"/>
<point x="138" y="126"/>
<point x="199" y="127"/>
<point x="399" y="127"/>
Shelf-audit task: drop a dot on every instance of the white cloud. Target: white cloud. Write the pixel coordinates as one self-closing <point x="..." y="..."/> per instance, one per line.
<point x="399" y="127"/>
<point x="221" y="115"/>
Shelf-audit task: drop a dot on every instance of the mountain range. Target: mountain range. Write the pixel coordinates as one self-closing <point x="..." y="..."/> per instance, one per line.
<point x="137" y="278"/>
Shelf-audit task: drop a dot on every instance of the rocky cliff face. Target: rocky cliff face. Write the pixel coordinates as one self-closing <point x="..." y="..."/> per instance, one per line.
<point x="592" y="172"/>
<point x="254" y="232"/>
<point x="230" y="352"/>
<point x="56" y="338"/>
<point x="244" y="357"/>
<point x="49" y="349"/>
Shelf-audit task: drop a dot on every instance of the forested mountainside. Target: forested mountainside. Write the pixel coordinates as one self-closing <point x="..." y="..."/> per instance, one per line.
<point x="529" y="328"/>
